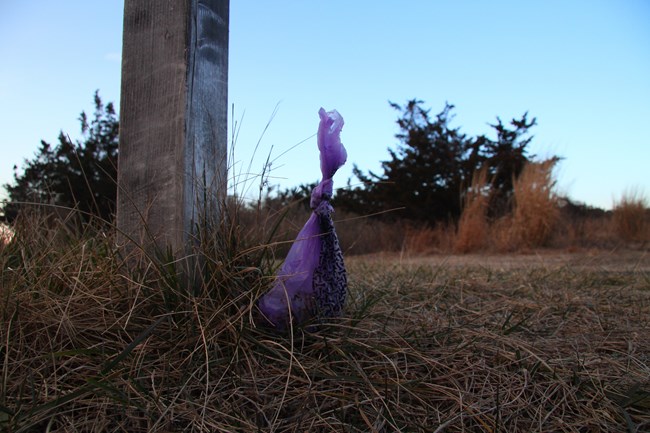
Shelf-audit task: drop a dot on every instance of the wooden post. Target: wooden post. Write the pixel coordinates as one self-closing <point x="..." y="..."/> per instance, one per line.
<point x="172" y="168"/>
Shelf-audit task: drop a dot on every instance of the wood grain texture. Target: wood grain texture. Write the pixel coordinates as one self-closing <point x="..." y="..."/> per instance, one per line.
<point x="207" y="112"/>
<point x="173" y="120"/>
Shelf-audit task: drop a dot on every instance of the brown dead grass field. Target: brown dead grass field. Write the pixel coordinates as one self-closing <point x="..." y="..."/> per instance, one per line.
<point x="542" y="342"/>
<point x="546" y="341"/>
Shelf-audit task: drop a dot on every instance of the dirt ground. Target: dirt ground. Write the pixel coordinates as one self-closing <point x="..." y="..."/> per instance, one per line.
<point x="623" y="260"/>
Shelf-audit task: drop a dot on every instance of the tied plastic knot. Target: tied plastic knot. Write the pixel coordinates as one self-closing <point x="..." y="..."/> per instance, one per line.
<point x="323" y="192"/>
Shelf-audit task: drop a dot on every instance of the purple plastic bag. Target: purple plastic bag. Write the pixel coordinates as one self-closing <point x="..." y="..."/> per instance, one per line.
<point x="312" y="282"/>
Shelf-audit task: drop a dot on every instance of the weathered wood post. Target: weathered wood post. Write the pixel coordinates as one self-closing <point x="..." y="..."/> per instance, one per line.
<point x="173" y="120"/>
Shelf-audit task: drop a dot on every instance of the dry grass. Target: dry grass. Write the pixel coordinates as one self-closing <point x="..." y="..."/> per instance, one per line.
<point x="6" y="234"/>
<point x="364" y="235"/>
<point x="473" y="226"/>
<point x="86" y="345"/>
<point x="427" y="240"/>
<point x="280" y="223"/>
<point x="630" y="217"/>
<point x="535" y="211"/>
<point x="577" y="232"/>
<point x="539" y="219"/>
<point x="531" y="224"/>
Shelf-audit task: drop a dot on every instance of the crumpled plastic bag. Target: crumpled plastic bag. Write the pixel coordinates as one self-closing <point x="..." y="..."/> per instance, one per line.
<point x="312" y="283"/>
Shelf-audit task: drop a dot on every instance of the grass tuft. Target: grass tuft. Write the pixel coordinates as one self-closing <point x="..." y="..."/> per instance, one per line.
<point x="473" y="227"/>
<point x="630" y="217"/>
<point x="535" y="213"/>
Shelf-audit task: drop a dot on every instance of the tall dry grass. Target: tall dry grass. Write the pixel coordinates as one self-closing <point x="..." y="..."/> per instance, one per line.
<point x="428" y="240"/>
<point x="473" y="226"/>
<point x="535" y="211"/>
<point x="93" y="340"/>
<point x="539" y="218"/>
<point x="631" y="217"/>
<point x="359" y="234"/>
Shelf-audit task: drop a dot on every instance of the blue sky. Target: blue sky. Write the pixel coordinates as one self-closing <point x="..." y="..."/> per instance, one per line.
<point x="581" y="67"/>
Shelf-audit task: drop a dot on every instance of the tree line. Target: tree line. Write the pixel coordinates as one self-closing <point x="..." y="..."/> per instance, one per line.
<point x="78" y="175"/>
<point x="424" y="178"/>
<point x="432" y="166"/>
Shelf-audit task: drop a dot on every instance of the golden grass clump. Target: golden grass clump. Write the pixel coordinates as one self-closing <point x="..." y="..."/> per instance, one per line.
<point x="535" y="211"/>
<point x="631" y="217"/>
<point x="473" y="226"/>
